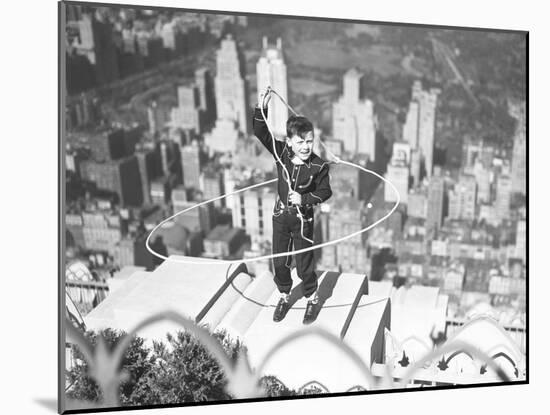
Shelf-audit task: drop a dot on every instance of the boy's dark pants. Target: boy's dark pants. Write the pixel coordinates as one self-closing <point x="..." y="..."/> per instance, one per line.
<point x="286" y="232"/>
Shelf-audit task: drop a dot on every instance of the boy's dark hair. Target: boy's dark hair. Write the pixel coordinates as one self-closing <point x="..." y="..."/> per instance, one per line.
<point x="298" y="125"/>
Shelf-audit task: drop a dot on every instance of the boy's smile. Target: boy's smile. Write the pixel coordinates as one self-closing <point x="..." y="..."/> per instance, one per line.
<point x="302" y="147"/>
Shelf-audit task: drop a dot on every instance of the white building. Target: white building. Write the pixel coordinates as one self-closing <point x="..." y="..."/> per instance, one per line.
<point x="410" y="128"/>
<point x="224" y="136"/>
<point x="271" y="70"/>
<point x="463" y="199"/>
<point x="229" y="85"/>
<point x="419" y="127"/>
<point x="353" y="119"/>
<point x="187" y="114"/>
<point x="398" y="173"/>
<point x="521" y="241"/>
<point x="253" y="210"/>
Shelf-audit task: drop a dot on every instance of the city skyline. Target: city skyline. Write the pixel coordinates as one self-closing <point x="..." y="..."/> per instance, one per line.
<point x="452" y="143"/>
<point x="420" y="155"/>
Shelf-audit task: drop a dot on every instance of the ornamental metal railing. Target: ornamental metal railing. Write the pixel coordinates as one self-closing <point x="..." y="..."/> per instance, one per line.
<point x="243" y="382"/>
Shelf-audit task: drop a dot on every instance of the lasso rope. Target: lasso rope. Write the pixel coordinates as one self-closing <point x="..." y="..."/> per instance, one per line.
<point x="281" y="254"/>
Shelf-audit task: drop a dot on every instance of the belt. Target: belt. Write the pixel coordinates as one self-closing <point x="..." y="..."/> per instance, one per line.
<point x="293" y="209"/>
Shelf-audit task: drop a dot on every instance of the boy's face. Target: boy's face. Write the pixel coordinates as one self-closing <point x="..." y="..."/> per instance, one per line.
<point x="302" y="147"/>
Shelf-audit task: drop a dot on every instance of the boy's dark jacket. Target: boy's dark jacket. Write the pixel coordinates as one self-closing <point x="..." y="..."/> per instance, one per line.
<point x="310" y="179"/>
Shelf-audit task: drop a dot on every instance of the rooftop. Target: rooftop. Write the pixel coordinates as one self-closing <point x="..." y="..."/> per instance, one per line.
<point x="358" y="311"/>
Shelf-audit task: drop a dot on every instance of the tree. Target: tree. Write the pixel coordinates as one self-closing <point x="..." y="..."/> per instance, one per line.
<point x="186" y="372"/>
<point x="274" y="387"/>
<point x="181" y="370"/>
<point x="137" y="361"/>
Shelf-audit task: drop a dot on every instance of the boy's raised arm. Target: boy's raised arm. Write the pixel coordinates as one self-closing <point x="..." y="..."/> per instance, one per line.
<point x="262" y="132"/>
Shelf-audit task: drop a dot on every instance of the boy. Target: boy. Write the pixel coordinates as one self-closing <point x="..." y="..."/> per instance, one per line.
<point x="309" y="179"/>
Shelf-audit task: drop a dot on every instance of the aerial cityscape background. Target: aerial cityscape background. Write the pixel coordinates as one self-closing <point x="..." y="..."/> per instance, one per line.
<point x="158" y="119"/>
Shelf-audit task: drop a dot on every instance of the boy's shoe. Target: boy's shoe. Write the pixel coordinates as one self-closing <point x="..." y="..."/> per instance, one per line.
<point x="282" y="308"/>
<point x="311" y="310"/>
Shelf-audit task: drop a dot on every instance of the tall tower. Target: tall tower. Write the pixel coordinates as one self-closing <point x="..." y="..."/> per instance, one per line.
<point x="203" y="80"/>
<point x="463" y="198"/>
<point x="436" y="197"/>
<point x="230" y="87"/>
<point x="503" y="197"/>
<point x="349" y="255"/>
<point x="187" y="114"/>
<point x="271" y="70"/>
<point x="426" y="128"/>
<point x="96" y="42"/>
<point x="158" y="116"/>
<point x="419" y="127"/>
<point x="353" y="120"/>
<point x="191" y="166"/>
<point x="521" y="240"/>
<point x="398" y="173"/>
<point x="410" y="128"/>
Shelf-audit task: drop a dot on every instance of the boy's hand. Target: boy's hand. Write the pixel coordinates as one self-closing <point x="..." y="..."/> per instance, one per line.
<point x="295" y="198"/>
<point x="267" y="96"/>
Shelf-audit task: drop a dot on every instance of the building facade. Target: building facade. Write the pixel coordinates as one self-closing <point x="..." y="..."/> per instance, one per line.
<point x="271" y="70"/>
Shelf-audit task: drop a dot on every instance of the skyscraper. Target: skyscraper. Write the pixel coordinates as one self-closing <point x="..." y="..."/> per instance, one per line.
<point x="187" y="114"/>
<point x="223" y="137"/>
<point x="345" y="179"/>
<point x="415" y="167"/>
<point x="203" y="80"/>
<point x="123" y="254"/>
<point x="436" y="198"/>
<point x="160" y="191"/>
<point x="410" y="128"/>
<point x="164" y="158"/>
<point x="211" y="185"/>
<point x="191" y="165"/>
<point x="398" y="173"/>
<point x="129" y="41"/>
<point x="107" y="145"/>
<point x="351" y="254"/>
<point x="198" y="219"/>
<point x="521" y="240"/>
<point x="503" y="197"/>
<point x="427" y="128"/>
<point x="353" y="119"/>
<point x="483" y="180"/>
<point x="169" y="157"/>
<point x="419" y="128"/>
<point x="150" y="47"/>
<point x="252" y="210"/>
<point x="417" y="206"/>
<point x="168" y="34"/>
<point x="271" y="70"/>
<point x="463" y="198"/>
<point x="101" y="230"/>
<point x="118" y="176"/>
<point x="147" y="164"/>
<point x="157" y="117"/>
<point x="96" y="43"/>
<point x="472" y="152"/>
<point x="230" y="86"/>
